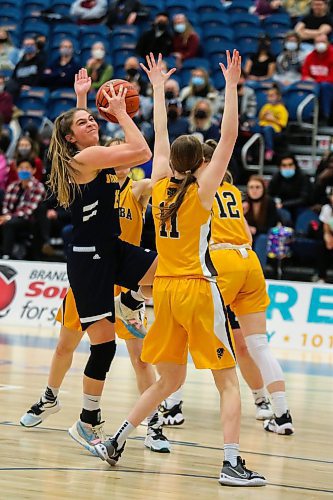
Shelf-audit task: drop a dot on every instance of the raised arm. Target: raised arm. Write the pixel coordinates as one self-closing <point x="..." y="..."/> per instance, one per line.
<point x="82" y="86"/>
<point x="210" y="177"/>
<point x="161" y="166"/>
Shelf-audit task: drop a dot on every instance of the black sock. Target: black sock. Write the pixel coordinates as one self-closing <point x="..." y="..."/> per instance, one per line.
<point x="92" y="417"/>
<point x="129" y="301"/>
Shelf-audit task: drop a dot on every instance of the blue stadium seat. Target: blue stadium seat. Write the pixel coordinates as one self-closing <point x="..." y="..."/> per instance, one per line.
<point x="129" y="37"/>
<point x="41" y="94"/>
<point x="218" y="80"/>
<point x="170" y="62"/>
<point x="196" y="62"/>
<point x="247" y="46"/>
<point x="260" y="89"/>
<point x="218" y="32"/>
<point x="211" y="47"/>
<point x="276" y="46"/>
<point x="64" y="93"/>
<point x="32" y="119"/>
<point x="28" y="104"/>
<point x="239" y="6"/>
<point x="243" y="20"/>
<point x="67" y="28"/>
<point x="120" y="57"/>
<point x="35" y="27"/>
<point x="214" y="19"/>
<point x="60" y="100"/>
<point x="56" y="40"/>
<point x="61" y="6"/>
<point x="202" y="6"/>
<point x="182" y="5"/>
<point x="299" y="99"/>
<point x="7" y="4"/>
<point x="10" y="15"/>
<point x="104" y="31"/>
<point x="119" y="44"/>
<point x="248" y="32"/>
<point x="89" y="40"/>
<point x="158" y="4"/>
<point x="37" y="5"/>
<point x="277" y="21"/>
<point x="216" y="59"/>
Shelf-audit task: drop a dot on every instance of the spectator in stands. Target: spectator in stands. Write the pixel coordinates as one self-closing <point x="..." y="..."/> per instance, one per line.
<point x="29" y="69"/>
<point x="261" y="65"/>
<point x="289" y="62"/>
<point x="172" y="89"/>
<point x="273" y="119"/>
<point x="156" y="40"/>
<point x="264" y="8"/>
<point x="9" y="55"/>
<point x="323" y="182"/>
<point x="98" y="69"/>
<point x="290" y="188"/>
<point x="317" y="22"/>
<point x="22" y="199"/>
<point x="296" y="8"/>
<point x="260" y="213"/>
<point x="123" y="12"/>
<point x="185" y="41"/>
<point x="198" y="88"/>
<point x="6" y="103"/>
<point x="89" y="11"/>
<point x="61" y="72"/>
<point x="177" y="124"/>
<point x="318" y="67"/>
<point x="325" y="254"/>
<point x="201" y="121"/>
<point x="26" y="149"/>
<point x="134" y="73"/>
<point x="247" y="103"/>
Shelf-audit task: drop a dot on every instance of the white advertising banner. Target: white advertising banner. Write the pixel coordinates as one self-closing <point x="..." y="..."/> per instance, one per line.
<point x="300" y="315"/>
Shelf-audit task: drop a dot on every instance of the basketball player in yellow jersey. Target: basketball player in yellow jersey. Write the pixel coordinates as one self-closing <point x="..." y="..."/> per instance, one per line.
<point x="242" y="284"/>
<point x="189" y="311"/>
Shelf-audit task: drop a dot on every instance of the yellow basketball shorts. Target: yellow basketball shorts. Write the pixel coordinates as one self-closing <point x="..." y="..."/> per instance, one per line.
<point x="241" y="281"/>
<point x="189" y="316"/>
<point x="68" y="316"/>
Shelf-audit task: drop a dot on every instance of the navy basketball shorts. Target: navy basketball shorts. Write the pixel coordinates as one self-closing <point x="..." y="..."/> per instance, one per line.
<point x="93" y="271"/>
<point x="232" y="319"/>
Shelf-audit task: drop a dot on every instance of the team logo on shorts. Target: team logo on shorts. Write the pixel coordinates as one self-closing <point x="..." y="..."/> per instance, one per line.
<point x="220" y="352"/>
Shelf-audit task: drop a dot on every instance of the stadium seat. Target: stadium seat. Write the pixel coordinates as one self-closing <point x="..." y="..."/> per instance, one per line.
<point x="104" y="31"/>
<point x="37" y="5"/>
<point x="243" y="20"/>
<point x="304" y="248"/>
<point x="202" y="6"/>
<point x="7" y="4"/>
<point x="211" y="47"/>
<point x="57" y="39"/>
<point x="120" y="44"/>
<point x="61" y="6"/>
<point x="277" y="21"/>
<point x="218" y="80"/>
<point x="28" y="103"/>
<point x="89" y="40"/>
<point x="10" y="15"/>
<point x="32" y="118"/>
<point x="276" y="46"/>
<point x="247" y="46"/>
<point x="239" y="6"/>
<point x="196" y="62"/>
<point x="60" y="100"/>
<point x="300" y="99"/>
<point x="219" y="32"/>
<point x="182" y="5"/>
<point x="35" y="27"/>
<point x="129" y="37"/>
<point x="120" y="57"/>
<point x="249" y="32"/>
<point x="214" y="19"/>
<point x="41" y="94"/>
<point x="67" y="28"/>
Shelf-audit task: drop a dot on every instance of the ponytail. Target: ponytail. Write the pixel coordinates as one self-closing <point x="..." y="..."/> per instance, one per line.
<point x="169" y="212"/>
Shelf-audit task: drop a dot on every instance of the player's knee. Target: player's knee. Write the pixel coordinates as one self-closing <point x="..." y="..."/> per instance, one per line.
<point x="169" y="384"/>
<point x="139" y="365"/>
<point x="100" y="359"/>
<point x="64" y="349"/>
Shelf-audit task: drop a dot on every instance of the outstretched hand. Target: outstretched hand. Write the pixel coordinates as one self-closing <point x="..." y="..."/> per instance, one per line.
<point x="154" y="70"/>
<point x="116" y="102"/>
<point x="82" y="82"/>
<point x="232" y="72"/>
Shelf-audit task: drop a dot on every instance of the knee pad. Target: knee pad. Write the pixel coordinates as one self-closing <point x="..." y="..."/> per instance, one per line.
<point x="100" y="359"/>
<point x="268" y="365"/>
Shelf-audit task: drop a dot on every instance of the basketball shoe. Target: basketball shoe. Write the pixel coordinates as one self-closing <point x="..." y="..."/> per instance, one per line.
<point x="280" y="425"/>
<point x="155" y="439"/>
<point x="108" y="451"/>
<point x="39" y="412"/>
<point x="240" y="475"/>
<point x="263" y="409"/>
<point x="87" y="435"/>
<point x="173" y="415"/>
<point x="133" y="319"/>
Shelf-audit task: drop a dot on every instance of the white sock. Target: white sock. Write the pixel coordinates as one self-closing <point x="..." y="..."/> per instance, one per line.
<point x="138" y="295"/>
<point x="90" y="402"/>
<point x="279" y="403"/>
<point x="268" y="365"/>
<point x="50" y="394"/>
<point x="174" y="399"/>
<point x="123" y="432"/>
<point x="231" y="452"/>
<point x="259" y="395"/>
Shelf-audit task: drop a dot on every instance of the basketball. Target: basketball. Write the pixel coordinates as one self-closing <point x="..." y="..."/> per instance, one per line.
<point x="132" y="98"/>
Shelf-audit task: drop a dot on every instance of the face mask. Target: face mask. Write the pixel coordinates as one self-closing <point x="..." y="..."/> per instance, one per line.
<point x="292" y="46"/>
<point x="287" y="173"/>
<point x="132" y="72"/>
<point x="180" y="28"/>
<point x="24" y="175"/>
<point x="3" y="40"/>
<point x="161" y="26"/>
<point x="172" y="114"/>
<point x="98" y="53"/>
<point x="200" y="113"/>
<point x="2" y="88"/>
<point x="40" y="44"/>
<point x="29" y="49"/>
<point x="169" y="94"/>
<point x="24" y="151"/>
<point x="321" y="47"/>
<point x="198" y="81"/>
<point x="239" y="86"/>
<point x="65" y="51"/>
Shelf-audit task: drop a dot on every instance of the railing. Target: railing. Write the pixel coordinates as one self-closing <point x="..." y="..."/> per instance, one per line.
<point x="245" y="149"/>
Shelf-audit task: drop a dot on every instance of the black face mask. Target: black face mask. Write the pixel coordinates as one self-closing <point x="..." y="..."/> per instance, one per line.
<point x="161" y="26"/>
<point x="172" y="114"/>
<point x="239" y="86"/>
<point x="169" y="94"/>
<point x="132" y="72"/>
<point x="3" y="40"/>
<point x="200" y="113"/>
<point x="40" y="44"/>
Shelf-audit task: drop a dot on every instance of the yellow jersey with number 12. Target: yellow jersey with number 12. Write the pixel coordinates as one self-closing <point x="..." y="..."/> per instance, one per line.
<point x="131" y="214"/>
<point x="228" y="223"/>
<point x="182" y="243"/>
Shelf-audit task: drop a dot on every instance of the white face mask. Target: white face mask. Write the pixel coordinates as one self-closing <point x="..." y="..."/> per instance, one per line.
<point x="2" y="87"/>
<point x="98" y="53"/>
<point x="291" y="46"/>
<point x="321" y="47"/>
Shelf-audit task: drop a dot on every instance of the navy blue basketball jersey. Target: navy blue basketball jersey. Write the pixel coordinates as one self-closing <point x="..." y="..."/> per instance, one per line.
<point x="95" y="211"/>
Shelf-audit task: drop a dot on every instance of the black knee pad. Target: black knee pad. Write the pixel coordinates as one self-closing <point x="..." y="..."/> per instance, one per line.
<point x="100" y="359"/>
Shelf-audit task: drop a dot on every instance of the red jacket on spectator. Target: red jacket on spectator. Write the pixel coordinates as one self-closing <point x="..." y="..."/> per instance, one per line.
<point x="319" y="66"/>
<point x="6" y="106"/>
<point x="12" y="174"/>
<point x="20" y="202"/>
<point x="189" y="49"/>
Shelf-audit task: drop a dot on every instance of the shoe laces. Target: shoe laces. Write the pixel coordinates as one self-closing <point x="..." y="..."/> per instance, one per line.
<point x="264" y="404"/>
<point x="157" y="433"/>
<point x="37" y="408"/>
<point x="98" y="432"/>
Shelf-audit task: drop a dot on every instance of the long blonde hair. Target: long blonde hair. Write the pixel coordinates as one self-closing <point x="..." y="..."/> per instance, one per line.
<point x="185" y="157"/>
<point x="63" y="177"/>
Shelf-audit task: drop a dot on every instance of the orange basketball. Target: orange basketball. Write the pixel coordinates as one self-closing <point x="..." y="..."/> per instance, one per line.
<point x="132" y="99"/>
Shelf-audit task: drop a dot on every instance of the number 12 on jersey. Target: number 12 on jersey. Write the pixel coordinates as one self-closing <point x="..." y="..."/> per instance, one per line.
<point x="227" y="203"/>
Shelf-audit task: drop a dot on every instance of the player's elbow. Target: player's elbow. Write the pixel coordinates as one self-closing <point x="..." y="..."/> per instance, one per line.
<point x="144" y="153"/>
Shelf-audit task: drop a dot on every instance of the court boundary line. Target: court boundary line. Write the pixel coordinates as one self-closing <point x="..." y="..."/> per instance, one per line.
<point x="187" y="444"/>
<point x="150" y="472"/>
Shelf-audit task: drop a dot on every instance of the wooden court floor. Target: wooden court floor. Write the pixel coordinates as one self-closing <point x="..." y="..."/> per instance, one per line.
<point x="44" y="463"/>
